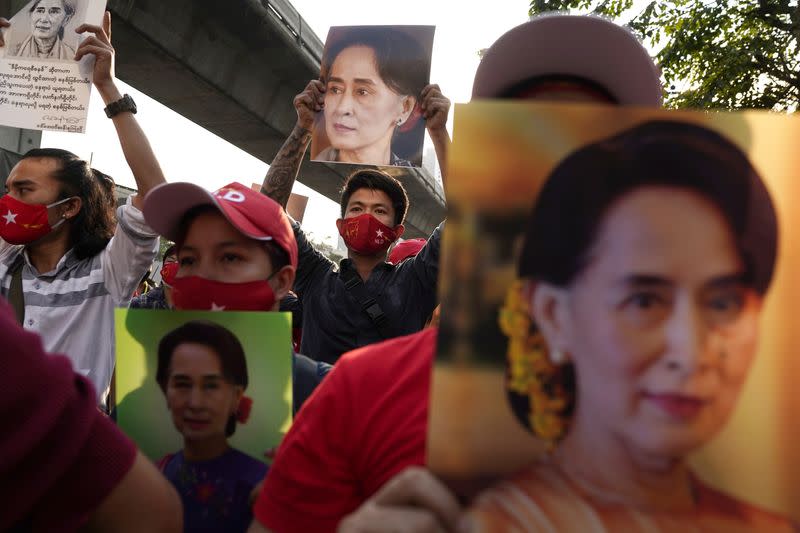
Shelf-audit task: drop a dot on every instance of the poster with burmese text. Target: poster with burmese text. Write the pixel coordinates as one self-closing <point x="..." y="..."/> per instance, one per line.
<point x="618" y="291"/>
<point x="42" y="87"/>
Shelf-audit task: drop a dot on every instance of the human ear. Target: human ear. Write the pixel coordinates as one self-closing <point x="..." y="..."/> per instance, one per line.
<point x="407" y="105"/>
<point x="72" y="207"/>
<point x="339" y="223"/>
<point x="283" y="280"/>
<point x="549" y="310"/>
<point x="238" y="392"/>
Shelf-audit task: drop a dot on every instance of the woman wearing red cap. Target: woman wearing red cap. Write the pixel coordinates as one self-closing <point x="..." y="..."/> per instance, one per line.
<point x="236" y="252"/>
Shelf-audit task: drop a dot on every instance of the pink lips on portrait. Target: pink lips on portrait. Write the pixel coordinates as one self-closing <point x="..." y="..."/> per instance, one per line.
<point x="677" y="406"/>
<point x="196" y="424"/>
<point x="341" y="128"/>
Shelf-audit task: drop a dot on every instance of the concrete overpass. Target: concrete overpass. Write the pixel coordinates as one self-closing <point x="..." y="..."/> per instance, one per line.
<point x="234" y="67"/>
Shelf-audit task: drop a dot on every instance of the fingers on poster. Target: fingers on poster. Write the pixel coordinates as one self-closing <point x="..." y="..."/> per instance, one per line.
<point x="373" y="76"/>
<point x="501" y="397"/>
<point x="163" y="357"/>
<point x="41" y="85"/>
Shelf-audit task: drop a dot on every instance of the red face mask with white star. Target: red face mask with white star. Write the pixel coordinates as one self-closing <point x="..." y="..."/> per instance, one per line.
<point x="22" y="223"/>
<point x="168" y="272"/>
<point x="366" y="235"/>
<point x="193" y="293"/>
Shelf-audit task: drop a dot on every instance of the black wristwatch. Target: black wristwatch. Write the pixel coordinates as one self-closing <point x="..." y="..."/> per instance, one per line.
<point x="125" y="103"/>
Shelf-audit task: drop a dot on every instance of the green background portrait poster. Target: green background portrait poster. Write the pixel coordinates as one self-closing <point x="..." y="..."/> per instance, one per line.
<point x="141" y="405"/>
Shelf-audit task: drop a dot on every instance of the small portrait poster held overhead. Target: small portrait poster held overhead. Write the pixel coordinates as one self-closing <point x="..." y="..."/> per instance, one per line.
<point x="373" y="76"/>
<point x="616" y="348"/>
<point x="41" y="85"/>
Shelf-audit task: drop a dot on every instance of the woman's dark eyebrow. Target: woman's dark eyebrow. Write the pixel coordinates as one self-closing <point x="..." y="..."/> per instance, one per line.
<point x="362" y="81"/>
<point x="727" y="280"/>
<point x="646" y="280"/>
<point x="228" y="244"/>
<point x="184" y="377"/>
<point x="650" y="280"/>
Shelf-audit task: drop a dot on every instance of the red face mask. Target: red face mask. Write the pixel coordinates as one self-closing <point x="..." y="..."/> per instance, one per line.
<point x="366" y="235"/>
<point x="168" y="272"/>
<point x="194" y="293"/>
<point x="22" y="223"/>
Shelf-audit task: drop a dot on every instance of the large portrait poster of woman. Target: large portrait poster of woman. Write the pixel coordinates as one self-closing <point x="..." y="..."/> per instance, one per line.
<point x="252" y="352"/>
<point x="205" y="395"/>
<point x="617" y="348"/>
<point x="373" y="77"/>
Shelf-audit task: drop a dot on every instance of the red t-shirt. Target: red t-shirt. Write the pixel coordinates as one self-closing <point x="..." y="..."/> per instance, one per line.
<point x="59" y="456"/>
<point x="366" y="422"/>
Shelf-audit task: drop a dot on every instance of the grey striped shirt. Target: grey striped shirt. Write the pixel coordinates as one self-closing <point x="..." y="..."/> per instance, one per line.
<point x="72" y="306"/>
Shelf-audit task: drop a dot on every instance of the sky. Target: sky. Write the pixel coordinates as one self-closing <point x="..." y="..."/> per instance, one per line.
<point x="183" y="148"/>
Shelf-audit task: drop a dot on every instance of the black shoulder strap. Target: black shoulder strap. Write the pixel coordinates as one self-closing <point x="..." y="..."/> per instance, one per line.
<point x="355" y="286"/>
<point x="15" y="295"/>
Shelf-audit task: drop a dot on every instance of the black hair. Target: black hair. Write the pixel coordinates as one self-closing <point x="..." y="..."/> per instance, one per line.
<point x="581" y="189"/>
<point x="397" y="56"/>
<point x="218" y="338"/>
<point x="376" y="180"/>
<point x="69" y="9"/>
<point x="171" y="250"/>
<point x="278" y="257"/>
<point x="109" y="187"/>
<point x="531" y="83"/>
<point x="92" y="228"/>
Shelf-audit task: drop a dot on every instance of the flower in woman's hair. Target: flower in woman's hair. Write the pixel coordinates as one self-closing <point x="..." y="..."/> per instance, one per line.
<point x="243" y="412"/>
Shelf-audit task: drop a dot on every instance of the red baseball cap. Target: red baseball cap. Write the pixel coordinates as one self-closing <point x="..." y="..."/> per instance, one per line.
<point x="254" y="214"/>
<point x="405" y="249"/>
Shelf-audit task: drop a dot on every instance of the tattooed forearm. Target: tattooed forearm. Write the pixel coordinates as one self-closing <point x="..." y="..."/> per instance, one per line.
<point x="284" y="168"/>
<point x="441" y="144"/>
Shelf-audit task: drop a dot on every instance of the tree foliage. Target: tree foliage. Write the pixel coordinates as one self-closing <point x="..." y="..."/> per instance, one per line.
<point x="716" y="54"/>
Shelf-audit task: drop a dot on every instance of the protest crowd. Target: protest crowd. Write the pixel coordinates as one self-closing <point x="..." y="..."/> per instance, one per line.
<point x="354" y="458"/>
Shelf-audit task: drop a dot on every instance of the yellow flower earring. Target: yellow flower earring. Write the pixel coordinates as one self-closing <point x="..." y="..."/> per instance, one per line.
<point x="534" y="371"/>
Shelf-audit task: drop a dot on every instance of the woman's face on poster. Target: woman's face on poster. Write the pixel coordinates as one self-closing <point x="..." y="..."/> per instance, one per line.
<point x="659" y="325"/>
<point x="199" y="398"/>
<point x="47" y="18"/>
<point x="360" y="109"/>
